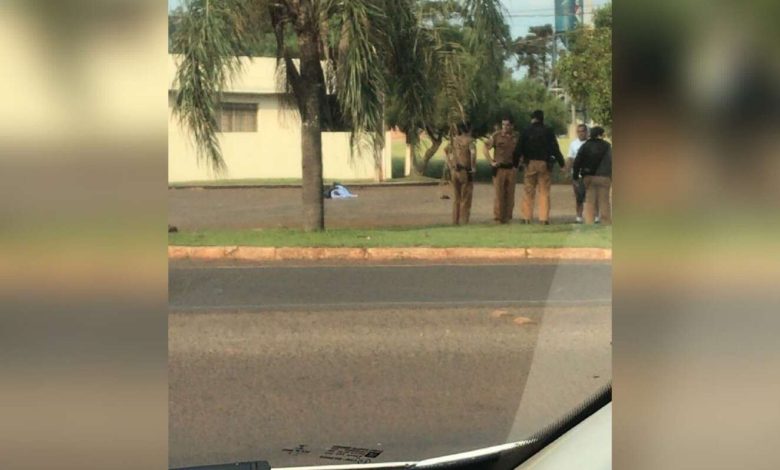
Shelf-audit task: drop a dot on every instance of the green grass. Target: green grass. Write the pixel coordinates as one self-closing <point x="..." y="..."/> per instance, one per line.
<point x="514" y="235"/>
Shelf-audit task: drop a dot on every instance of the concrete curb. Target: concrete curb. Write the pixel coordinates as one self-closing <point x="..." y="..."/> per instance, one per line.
<point x="298" y="186"/>
<point x="258" y="253"/>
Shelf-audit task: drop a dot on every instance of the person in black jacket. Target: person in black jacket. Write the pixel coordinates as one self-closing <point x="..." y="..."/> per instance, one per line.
<point x="537" y="146"/>
<point x="594" y="163"/>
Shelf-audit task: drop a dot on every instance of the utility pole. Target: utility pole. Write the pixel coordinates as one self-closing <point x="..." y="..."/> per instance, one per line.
<point x="586" y="18"/>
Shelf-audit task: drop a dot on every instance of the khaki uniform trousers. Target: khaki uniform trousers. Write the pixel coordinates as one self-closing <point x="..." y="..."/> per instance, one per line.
<point x="463" y="190"/>
<point x="597" y="199"/>
<point x="504" y="201"/>
<point x="536" y="177"/>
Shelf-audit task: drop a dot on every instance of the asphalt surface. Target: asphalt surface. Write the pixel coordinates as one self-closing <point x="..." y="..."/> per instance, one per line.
<point x="375" y="207"/>
<point x="316" y="286"/>
<point x="281" y="363"/>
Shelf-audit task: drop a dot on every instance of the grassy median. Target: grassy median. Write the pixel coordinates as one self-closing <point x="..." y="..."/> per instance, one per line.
<point x="488" y="236"/>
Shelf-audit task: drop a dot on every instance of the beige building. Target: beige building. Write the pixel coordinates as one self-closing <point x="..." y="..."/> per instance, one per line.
<point x="261" y="139"/>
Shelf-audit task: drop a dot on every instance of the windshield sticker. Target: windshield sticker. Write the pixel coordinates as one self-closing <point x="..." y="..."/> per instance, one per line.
<point x="297" y="450"/>
<point x="351" y="454"/>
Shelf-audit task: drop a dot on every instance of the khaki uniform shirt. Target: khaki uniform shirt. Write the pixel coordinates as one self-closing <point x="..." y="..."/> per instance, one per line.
<point x="461" y="149"/>
<point x="505" y="146"/>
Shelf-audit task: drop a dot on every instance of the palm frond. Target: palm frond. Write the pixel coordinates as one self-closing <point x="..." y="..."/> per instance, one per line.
<point x="360" y="81"/>
<point x="287" y="72"/>
<point x="412" y="90"/>
<point x="489" y="36"/>
<point x="212" y="35"/>
<point x="447" y="67"/>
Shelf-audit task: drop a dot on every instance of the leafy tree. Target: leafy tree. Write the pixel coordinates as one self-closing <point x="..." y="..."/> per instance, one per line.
<point x="261" y="44"/>
<point x="521" y="97"/>
<point x="585" y="69"/>
<point x="347" y="45"/>
<point x="534" y="51"/>
<point x="466" y="44"/>
<point x="368" y="51"/>
<point x="173" y="18"/>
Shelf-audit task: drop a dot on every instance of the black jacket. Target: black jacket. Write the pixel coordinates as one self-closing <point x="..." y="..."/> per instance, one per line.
<point x="593" y="159"/>
<point x="538" y="142"/>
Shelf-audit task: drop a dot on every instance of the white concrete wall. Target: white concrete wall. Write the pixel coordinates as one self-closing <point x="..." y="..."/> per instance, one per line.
<point x="274" y="151"/>
<point x="258" y="75"/>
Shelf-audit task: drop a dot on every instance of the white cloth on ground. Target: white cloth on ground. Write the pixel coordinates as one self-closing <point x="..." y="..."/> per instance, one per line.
<point x="340" y="192"/>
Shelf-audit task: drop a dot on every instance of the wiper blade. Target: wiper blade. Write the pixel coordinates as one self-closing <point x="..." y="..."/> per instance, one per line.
<point x="500" y="457"/>
<point x="257" y="465"/>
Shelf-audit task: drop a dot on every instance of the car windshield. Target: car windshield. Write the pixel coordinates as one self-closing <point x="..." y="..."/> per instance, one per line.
<point x="403" y="368"/>
<point x="389" y="228"/>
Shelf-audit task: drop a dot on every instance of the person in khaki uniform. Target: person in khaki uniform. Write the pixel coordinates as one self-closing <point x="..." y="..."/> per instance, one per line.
<point x="461" y="156"/>
<point x="537" y="145"/>
<point x="594" y="163"/>
<point x="504" y="166"/>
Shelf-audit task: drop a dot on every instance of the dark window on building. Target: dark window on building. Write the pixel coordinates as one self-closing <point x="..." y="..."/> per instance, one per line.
<point x="237" y="117"/>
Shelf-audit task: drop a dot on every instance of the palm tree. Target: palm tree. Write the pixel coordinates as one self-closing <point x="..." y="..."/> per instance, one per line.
<point x="362" y="49"/>
<point x="466" y="43"/>
<point x="535" y="52"/>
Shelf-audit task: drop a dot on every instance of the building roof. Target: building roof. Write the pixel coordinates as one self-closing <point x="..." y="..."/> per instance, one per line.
<point x="258" y="75"/>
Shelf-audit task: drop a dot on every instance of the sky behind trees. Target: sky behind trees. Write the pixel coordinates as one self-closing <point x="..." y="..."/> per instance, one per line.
<point x="524" y="13"/>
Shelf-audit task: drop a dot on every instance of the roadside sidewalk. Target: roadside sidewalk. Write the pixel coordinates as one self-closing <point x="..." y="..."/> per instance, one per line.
<point x="256" y="253"/>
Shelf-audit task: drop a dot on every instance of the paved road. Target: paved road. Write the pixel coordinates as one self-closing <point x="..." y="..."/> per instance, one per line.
<point x="411" y="373"/>
<point x="191" y="209"/>
<point x="268" y="287"/>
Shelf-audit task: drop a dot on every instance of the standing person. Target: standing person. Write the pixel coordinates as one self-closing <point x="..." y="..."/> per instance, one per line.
<point x="577" y="184"/>
<point x="594" y="163"/>
<point x="461" y="156"/>
<point x="505" y="170"/>
<point x="493" y="169"/>
<point x="537" y="144"/>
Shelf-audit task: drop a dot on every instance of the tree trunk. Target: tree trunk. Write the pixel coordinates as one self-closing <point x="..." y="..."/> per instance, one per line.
<point x="408" y="159"/>
<point x="311" y="161"/>
<point x="379" y="150"/>
<point x="422" y="166"/>
<point x="312" y="90"/>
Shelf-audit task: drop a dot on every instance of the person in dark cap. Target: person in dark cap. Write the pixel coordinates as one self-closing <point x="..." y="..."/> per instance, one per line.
<point x="537" y="146"/>
<point x="594" y="163"/>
